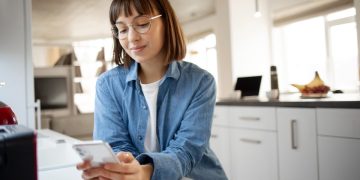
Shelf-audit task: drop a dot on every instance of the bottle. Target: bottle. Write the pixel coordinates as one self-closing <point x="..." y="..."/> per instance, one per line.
<point x="274" y="78"/>
<point x="274" y="83"/>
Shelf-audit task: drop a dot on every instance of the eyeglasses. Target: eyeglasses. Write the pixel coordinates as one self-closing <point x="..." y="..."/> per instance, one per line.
<point x="140" y="24"/>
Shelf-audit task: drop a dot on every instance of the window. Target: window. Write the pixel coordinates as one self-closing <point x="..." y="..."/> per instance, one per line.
<point x="202" y="52"/>
<point x="93" y="57"/>
<point x="327" y="44"/>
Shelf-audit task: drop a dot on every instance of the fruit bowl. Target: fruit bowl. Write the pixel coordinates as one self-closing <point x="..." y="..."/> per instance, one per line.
<point x="315" y="89"/>
<point x="313" y="95"/>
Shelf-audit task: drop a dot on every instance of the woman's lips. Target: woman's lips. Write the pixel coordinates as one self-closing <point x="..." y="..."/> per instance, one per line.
<point x="137" y="49"/>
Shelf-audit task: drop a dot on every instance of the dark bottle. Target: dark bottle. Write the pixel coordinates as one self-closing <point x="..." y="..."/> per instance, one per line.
<point x="274" y="78"/>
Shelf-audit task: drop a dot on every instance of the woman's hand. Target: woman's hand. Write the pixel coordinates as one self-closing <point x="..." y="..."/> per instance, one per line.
<point x="128" y="168"/>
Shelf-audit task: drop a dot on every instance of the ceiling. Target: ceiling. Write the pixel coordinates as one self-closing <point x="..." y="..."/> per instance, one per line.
<point x="71" y="20"/>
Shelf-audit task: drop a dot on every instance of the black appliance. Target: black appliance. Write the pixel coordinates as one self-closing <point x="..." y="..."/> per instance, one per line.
<point x="17" y="153"/>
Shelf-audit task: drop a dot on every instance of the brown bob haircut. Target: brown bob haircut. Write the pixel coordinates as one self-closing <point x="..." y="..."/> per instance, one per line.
<point x="174" y="41"/>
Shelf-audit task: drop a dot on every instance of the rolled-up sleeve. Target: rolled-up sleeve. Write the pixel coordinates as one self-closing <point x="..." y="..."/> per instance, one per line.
<point x="187" y="147"/>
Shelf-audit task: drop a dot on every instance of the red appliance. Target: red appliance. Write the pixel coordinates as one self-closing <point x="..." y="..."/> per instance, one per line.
<point x="7" y="116"/>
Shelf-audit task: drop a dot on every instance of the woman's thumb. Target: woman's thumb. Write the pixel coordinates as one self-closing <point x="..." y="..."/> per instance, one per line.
<point x="125" y="157"/>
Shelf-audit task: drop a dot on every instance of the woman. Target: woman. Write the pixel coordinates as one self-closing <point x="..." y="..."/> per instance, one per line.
<point x="153" y="109"/>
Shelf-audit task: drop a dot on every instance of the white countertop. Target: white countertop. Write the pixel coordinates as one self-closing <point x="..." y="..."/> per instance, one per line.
<point x="56" y="157"/>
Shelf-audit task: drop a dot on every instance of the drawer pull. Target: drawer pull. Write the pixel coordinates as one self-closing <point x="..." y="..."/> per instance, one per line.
<point x="249" y="118"/>
<point x="294" y="139"/>
<point x="252" y="141"/>
<point x="215" y="136"/>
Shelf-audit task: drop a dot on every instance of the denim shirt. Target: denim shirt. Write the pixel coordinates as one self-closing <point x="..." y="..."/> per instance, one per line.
<point x="185" y="105"/>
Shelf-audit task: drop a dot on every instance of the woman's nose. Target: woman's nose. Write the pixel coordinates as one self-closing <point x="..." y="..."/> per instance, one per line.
<point x="133" y="35"/>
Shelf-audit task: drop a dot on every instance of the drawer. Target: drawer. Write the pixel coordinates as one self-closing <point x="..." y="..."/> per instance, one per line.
<point x="339" y="122"/>
<point x="263" y="118"/>
<point x="253" y="154"/>
<point x="220" y="115"/>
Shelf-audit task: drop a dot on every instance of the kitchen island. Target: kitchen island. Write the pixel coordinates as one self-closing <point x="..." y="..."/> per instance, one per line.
<point x="294" y="100"/>
<point x="289" y="138"/>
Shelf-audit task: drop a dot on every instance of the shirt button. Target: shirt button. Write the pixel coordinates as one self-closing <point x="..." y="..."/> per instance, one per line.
<point x="144" y="107"/>
<point x="140" y="138"/>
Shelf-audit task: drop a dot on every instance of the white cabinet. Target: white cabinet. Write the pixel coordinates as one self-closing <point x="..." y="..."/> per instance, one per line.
<point x="219" y="140"/>
<point x="253" y="143"/>
<point x="339" y="144"/>
<point x="279" y="143"/>
<point x="260" y="118"/>
<point x="253" y="155"/>
<point x="244" y="139"/>
<point x="339" y="158"/>
<point x="297" y="144"/>
<point x="339" y="122"/>
<point x="219" y="143"/>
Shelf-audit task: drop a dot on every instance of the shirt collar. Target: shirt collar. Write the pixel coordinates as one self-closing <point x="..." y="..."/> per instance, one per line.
<point x="132" y="75"/>
<point x="172" y="71"/>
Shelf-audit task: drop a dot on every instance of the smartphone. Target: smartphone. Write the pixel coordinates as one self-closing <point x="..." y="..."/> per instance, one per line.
<point x="97" y="152"/>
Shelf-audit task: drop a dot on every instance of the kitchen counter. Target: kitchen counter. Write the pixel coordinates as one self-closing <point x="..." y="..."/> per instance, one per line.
<point x="345" y="100"/>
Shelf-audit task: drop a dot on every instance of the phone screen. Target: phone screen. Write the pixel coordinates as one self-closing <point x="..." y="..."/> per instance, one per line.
<point x="96" y="152"/>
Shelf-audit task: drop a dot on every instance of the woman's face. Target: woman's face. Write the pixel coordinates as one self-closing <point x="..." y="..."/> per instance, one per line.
<point x="146" y="47"/>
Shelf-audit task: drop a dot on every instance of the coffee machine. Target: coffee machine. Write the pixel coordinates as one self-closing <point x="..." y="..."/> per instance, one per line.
<point x="18" y="158"/>
<point x="7" y="116"/>
<point x="17" y="147"/>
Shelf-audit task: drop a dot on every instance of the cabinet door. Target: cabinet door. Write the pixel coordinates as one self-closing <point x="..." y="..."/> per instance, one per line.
<point x="219" y="143"/>
<point x="253" y="155"/>
<point x="220" y="116"/>
<point x="297" y="144"/>
<point x="339" y="158"/>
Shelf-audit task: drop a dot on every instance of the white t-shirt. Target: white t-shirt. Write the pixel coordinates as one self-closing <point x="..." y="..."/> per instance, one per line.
<point x="151" y="143"/>
<point x="150" y="91"/>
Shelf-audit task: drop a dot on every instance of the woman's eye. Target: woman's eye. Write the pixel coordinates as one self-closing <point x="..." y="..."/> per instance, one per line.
<point x="122" y="31"/>
<point x="143" y="25"/>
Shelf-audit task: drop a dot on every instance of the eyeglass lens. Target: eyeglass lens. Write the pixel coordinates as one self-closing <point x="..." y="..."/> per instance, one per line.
<point x="140" y="24"/>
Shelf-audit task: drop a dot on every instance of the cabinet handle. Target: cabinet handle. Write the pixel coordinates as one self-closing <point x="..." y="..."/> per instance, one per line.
<point x="252" y="141"/>
<point x="215" y="136"/>
<point x="294" y="141"/>
<point x="249" y="118"/>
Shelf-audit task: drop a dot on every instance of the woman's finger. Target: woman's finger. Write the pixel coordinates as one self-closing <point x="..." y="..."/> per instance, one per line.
<point x="128" y="164"/>
<point x="93" y="173"/>
<point x="102" y="174"/>
<point x="83" y="165"/>
<point x="104" y="178"/>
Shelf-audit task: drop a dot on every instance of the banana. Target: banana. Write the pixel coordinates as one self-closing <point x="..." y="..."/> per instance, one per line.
<point x="298" y="86"/>
<point x="317" y="81"/>
<point x="317" y="85"/>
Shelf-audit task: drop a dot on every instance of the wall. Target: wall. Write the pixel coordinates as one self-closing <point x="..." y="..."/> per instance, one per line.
<point x="219" y="24"/>
<point x="15" y="59"/>
<point x="357" y="6"/>
<point x="243" y="41"/>
<point x="250" y="40"/>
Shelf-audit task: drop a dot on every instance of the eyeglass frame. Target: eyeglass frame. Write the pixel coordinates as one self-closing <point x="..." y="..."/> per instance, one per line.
<point x="115" y="30"/>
